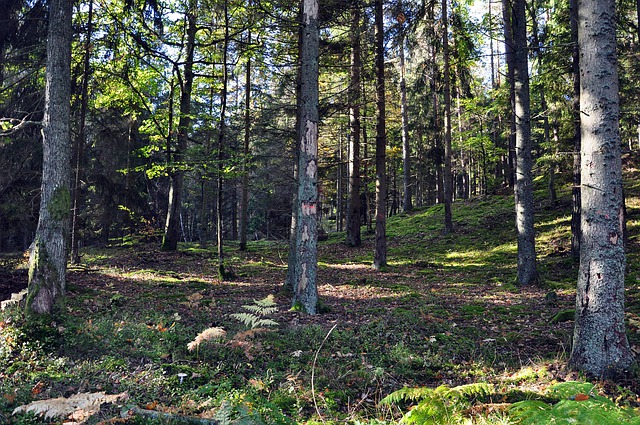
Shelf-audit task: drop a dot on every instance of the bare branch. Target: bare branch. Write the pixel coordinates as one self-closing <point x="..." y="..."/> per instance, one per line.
<point x="16" y="125"/>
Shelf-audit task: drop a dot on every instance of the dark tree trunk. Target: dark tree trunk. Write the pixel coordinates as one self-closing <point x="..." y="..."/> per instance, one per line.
<point x="448" y="181"/>
<point x="380" y="254"/>
<point x="244" y="202"/>
<point x="353" y="196"/>
<point x="509" y="53"/>
<point x="600" y="345"/>
<point x="406" y="148"/>
<point x="576" y="188"/>
<point x="48" y="254"/>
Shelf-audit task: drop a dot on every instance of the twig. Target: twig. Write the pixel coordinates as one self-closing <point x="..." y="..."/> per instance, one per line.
<point x="154" y="414"/>
<point x="313" y="372"/>
<point x="17" y="125"/>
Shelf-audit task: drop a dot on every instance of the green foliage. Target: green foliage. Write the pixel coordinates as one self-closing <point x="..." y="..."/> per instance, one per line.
<point x="580" y="405"/>
<point x="255" y="318"/>
<point x="442" y="405"/>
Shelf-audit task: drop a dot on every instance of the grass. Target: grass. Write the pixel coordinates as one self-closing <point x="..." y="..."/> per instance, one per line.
<point x="444" y="314"/>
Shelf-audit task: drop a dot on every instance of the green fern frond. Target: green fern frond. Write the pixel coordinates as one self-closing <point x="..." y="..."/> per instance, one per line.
<point x="473" y="391"/>
<point x="265" y="323"/>
<point x="260" y="310"/>
<point x="268" y="301"/>
<point x="407" y="394"/>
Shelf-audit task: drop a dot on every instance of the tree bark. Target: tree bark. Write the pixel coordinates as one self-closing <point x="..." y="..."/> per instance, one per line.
<point x="523" y="190"/>
<point x="80" y="141"/>
<point x="448" y="182"/>
<point x="600" y="345"/>
<point x="48" y="256"/>
<point x="305" y="290"/>
<point x="172" y="229"/>
<point x="244" y="206"/>
<point x="509" y="53"/>
<point x="407" y="205"/>
<point x="380" y="255"/>
<point x="353" y="197"/>
<point x="221" y="145"/>
<point x="576" y="188"/>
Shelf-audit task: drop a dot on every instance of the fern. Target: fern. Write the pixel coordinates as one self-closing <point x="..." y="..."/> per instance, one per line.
<point x="442" y="405"/>
<point x="580" y="406"/>
<point x="255" y="318"/>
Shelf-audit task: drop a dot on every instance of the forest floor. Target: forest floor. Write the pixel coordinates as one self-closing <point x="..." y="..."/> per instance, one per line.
<point x="446" y="311"/>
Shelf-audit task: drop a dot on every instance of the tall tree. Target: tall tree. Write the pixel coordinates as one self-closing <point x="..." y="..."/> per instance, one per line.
<point x="380" y="254"/>
<point x="353" y="196"/>
<point x="406" y="148"/>
<point x="448" y="181"/>
<point x="576" y="188"/>
<point x="600" y="345"/>
<point x="523" y="189"/>
<point x="509" y="54"/>
<point x="172" y="229"/>
<point x="244" y="202"/>
<point x="305" y="290"/>
<point x="48" y="256"/>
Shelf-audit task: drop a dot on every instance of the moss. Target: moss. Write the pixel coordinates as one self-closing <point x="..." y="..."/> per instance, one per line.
<point x="60" y="204"/>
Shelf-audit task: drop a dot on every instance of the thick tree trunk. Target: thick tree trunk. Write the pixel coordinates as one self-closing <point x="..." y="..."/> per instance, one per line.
<point x="305" y="290"/>
<point x="172" y="230"/>
<point x="448" y="181"/>
<point x="48" y="256"/>
<point x="380" y="254"/>
<point x="527" y="273"/>
<point x="353" y="196"/>
<point x="600" y="345"/>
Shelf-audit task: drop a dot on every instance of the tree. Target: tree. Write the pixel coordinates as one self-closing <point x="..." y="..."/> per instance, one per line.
<point x="305" y="290"/>
<point x="48" y="254"/>
<point x="448" y="181"/>
<point x="600" y="345"/>
<point x="353" y="199"/>
<point x="406" y="148"/>
<point x="380" y="254"/>
<point x="523" y="184"/>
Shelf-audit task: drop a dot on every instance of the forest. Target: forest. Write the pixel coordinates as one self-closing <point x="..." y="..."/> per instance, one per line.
<point x="322" y="211"/>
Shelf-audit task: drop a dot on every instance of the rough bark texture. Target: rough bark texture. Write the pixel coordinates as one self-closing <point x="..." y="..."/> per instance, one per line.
<point x="448" y="182"/>
<point x="221" y="145"/>
<point x="600" y="345"/>
<point x="244" y="207"/>
<point x="172" y="229"/>
<point x="523" y="189"/>
<point x="305" y="290"/>
<point x="353" y="196"/>
<point x="509" y="54"/>
<point x="380" y="254"/>
<point x="48" y="257"/>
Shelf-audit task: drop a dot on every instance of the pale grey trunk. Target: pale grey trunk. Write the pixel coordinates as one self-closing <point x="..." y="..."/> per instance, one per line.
<point x="509" y="53"/>
<point x="523" y="189"/>
<point x="48" y="256"/>
<point x="600" y="345"/>
<point x="221" y="145"/>
<point x="305" y="290"/>
<point x="380" y="254"/>
<point x="406" y="148"/>
<point x="448" y="181"/>
<point x="353" y="196"/>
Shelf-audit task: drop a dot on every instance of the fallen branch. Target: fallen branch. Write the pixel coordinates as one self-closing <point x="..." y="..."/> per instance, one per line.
<point x="154" y="414"/>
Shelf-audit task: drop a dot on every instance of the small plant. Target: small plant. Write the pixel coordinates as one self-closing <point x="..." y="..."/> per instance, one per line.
<point x="442" y="405"/>
<point x="579" y="405"/>
<point x="255" y="318"/>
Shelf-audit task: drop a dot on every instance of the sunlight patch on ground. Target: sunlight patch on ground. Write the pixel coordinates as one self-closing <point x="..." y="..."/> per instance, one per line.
<point x="350" y="266"/>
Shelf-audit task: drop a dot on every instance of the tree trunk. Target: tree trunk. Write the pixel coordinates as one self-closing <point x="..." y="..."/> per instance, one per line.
<point x="48" y="256"/>
<point x="244" y="206"/>
<point x="380" y="255"/>
<point x="173" y="229"/>
<point x="80" y="141"/>
<point x="448" y="182"/>
<point x="600" y="345"/>
<point x="305" y="290"/>
<point x="509" y="53"/>
<point x="221" y="145"/>
<point x="353" y="196"/>
<point x="576" y="188"/>
<point x="406" y="148"/>
<point x="523" y="190"/>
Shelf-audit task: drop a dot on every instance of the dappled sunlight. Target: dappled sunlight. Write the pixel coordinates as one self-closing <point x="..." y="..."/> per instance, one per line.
<point x="349" y="266"/>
